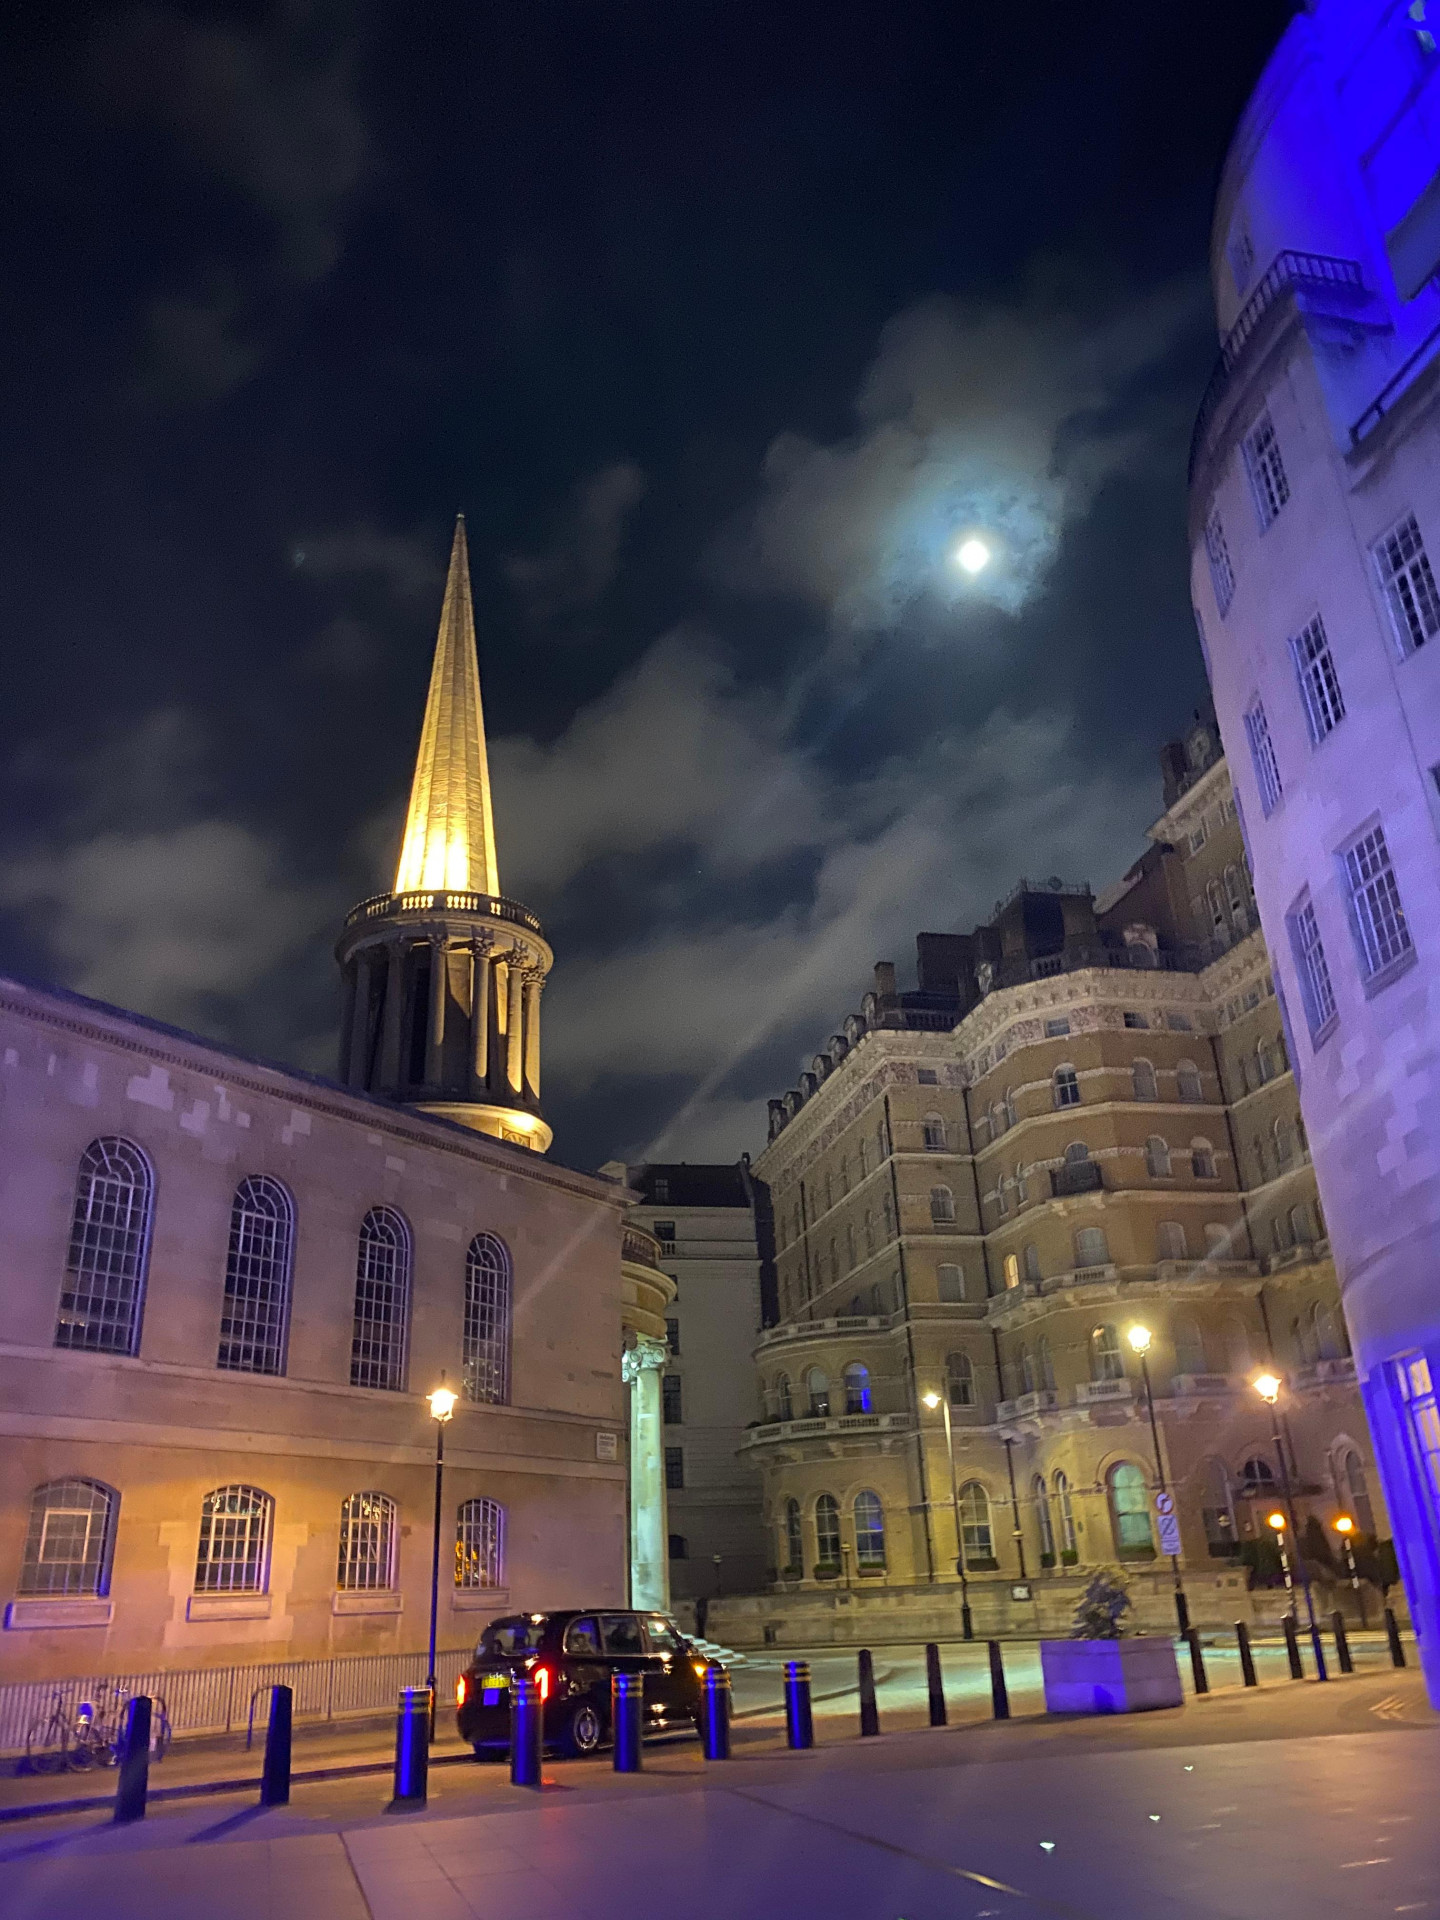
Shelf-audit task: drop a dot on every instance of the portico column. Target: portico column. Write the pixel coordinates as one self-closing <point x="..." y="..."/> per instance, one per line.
<point x="389" y="1076"/>
<point x="480" y="1012"/>
<point x="514" y="1028"/>
<point x="649" y="1528"/>
<point x="439" y="994"/>
<point x="532" y="1033"/>
<point x="357" y="1030"/>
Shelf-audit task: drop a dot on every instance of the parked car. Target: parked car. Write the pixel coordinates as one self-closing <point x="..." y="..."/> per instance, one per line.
<point x="571" y="1656"/>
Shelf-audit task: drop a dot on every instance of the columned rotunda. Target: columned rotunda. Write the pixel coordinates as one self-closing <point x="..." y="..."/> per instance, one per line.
<point x="443" y="975"/>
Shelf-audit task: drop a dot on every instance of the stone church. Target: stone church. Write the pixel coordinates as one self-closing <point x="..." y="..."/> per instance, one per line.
<point x="229" y="1288"/>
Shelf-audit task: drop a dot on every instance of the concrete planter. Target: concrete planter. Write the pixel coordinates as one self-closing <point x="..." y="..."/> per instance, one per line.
<point x="1110" y="1676"/>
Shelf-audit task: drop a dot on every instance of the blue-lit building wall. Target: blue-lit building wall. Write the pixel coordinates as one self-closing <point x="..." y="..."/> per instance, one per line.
<point x="1315" y="539"/>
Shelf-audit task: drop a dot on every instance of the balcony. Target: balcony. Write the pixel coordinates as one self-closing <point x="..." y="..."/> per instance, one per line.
<point x="771" y="1431"/>
<point x="490" y="906"/>
<point x="1207" y="1270"/>
<point x="1025" y="1405"/>
<point x="641" y="1249"/>
<point x="1327" y="1373"/>
<point x="1081" y="1176"/>
<point x="1187" y="1385"/>
<point x="1091" y="1392"/>
<point x="818" y="1329"/>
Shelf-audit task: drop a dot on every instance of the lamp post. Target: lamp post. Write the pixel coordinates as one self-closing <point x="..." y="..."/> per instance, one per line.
<point x="967" y="1625"/>
<point x="442" y="1406"/>
<point x="1345" y="1527"/>
<point x="1267" y="1385"/>
<point x="1139" y="1338"/>
<point x="1277" y="1522"/>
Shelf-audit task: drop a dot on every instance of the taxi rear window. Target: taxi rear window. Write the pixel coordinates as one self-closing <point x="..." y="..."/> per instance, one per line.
<point x="520" y="1634"/>
<point x="583" y="1636"/>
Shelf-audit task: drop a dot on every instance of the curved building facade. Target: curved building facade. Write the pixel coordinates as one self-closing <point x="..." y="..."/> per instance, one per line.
<point x="1315" y="535"/>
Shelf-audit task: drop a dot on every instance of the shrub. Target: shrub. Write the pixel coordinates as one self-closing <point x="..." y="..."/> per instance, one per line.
<point x="1103" y="1605"/>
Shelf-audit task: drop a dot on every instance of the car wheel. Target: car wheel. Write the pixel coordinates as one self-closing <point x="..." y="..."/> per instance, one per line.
<point x="583" y="1730"/>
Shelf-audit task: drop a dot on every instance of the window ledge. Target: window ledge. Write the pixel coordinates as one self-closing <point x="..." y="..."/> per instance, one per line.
<point x="228" y="1606"/>
<point x="480" y="1599"/>
<point x="59" y="1610"/>
<point x="1378" y="982"/>
<point x="373" y="1601"/>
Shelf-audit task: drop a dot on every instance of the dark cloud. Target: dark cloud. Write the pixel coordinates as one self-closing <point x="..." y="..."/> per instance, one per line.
<point x="573" y="571"/>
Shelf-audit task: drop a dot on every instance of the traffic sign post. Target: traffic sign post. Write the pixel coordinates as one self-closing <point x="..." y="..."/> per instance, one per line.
<point x="1167" y="1523"/>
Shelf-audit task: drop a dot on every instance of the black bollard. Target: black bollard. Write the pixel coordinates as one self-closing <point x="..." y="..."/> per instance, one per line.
<point x="1182" y="1611"/>
<point x="275" y="1780"/>
<point x="1392" y="1634"/>
<point x="1247" y="1659"/>
<point x="1342" y="1643"/>
<point x="627" y="1697"/>
<point x="935" y="1684"/>
<point x="999" y="1693"/>
<point x="412" y="1748"/>
<point x="1197" y="1660"/>
<point x="527" y="1731"/>
<point x="869" y="1712"/>
<point x="715" y="1712"/>
<point x="134" y="1782"/>
<point x="1292" y="1648"/>
<point x="799" y="1722"/>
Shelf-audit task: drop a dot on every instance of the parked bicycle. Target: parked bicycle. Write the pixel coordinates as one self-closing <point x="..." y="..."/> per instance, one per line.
<point x="90" y="1733"/>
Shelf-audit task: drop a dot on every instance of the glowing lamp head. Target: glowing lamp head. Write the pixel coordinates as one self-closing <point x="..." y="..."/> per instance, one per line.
<point x="1276" y="1520"/>
<point x="932" y="1400"/>
<point x="1267" y="1385"/>
<point x="973" y="555"/>
<point x="442" y="1403"/>
<point x="1342" y="1523"/>
<point x="1139" y="1338"/>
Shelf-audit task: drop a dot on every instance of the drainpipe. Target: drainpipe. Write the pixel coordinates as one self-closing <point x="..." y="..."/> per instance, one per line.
<point x="910" y="1353"/>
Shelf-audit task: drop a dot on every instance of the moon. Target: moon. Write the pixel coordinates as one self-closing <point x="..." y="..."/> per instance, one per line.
<point x="973" y="555"/>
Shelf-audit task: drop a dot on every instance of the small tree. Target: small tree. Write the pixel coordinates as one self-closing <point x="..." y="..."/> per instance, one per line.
<point x="1103" y="1605"/>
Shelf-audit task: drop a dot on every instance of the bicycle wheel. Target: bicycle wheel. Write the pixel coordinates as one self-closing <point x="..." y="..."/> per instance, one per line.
<point x="46" y="1744"/>
<point x="86" y="1747"/>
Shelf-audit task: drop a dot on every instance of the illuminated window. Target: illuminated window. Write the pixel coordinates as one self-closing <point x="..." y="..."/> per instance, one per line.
<point x="1067" y="1513"/>
<point x="104" y="1290"/>
<point x="255" y="1319"/>
<point x="367" y="1544"/>
<point x="1130" y="1509"/>
<point x="1106" y="1360"/>
<point x="1409" y="585"/>
<point x="857" y="1388"/>
<point x="1381" y="932"/>
<point x="1012" y="1270"/>
<point x="234" y="1553"/>
<point x="976" y="1534"/>
<point x="1262" y="757"/>
<point x="70" y="1539"/>
<point x="1222" y="574"/>
<point x="827" y="1530"/>
<point x="485" y="1337"/>
<point x="382" y="1302"/>
<point x="1269" y="484"/>
<point x="869" y="1518"/>
<point x="480" y="1544"/>
<point x="817" y="1388"/>
<point x="1319" y="683"/>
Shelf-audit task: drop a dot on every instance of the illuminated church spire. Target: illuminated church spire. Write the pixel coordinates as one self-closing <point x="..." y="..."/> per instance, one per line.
<point x="449" y="830"/>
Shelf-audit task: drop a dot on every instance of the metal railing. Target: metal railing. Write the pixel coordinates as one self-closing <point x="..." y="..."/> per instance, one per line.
<point x="639" y="1247"/>
<point x="491" y="906"/>
<point x="821" y="1424"/>
<point x="217" y="1699"/>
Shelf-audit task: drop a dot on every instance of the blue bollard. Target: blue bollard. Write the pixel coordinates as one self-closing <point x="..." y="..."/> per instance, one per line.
<point x="527" y="1731"/>
<point x="412" y="1748"/>
<point x="275" y="1779"/>
<point x="627" y="1706"/>
<point x="134" y="1782"/>
<point x="715" y="1712"/>
<point x="799" y="1721"/>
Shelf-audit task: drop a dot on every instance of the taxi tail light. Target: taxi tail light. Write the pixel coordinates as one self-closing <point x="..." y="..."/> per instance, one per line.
<point x="542" y="1681"/>
<point x="460" y="1691"/>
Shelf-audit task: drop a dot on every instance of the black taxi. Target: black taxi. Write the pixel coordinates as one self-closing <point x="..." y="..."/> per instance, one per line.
<point x="571" y="1655"/>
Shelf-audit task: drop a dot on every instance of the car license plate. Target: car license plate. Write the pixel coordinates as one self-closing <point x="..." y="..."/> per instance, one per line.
<point x="494" y="1685"/>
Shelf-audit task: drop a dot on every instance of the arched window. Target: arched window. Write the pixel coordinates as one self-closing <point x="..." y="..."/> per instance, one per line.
<point x="103" y="1297"/>
<point x="959" y="1379"/>
<point x="942" y="1206"/>
<point x="1189" y="1345"/>
<point x="888" y="1211"/>
<point x="1217" y="1241"/>
<point x="1300" y="1226"/>
<point x="997" y="1119"/>
<point x="1040" y="1496"/>
<point x="480" y="1544"/>
<point x="1031" y="1258"/>
<point x="869" y="1530"/>
<point x="783" y="1407"/>
<point x="1022" y="1191"/>
<point x="1076" y="1154"/>
<point x="367" y="1544"/>
<point x="1092" y="1249"/>
<point x="1238" y="1355"/>
<point x="844" y="1174"/>
<point x="1202" y="1160"/>
<point x="827" y="1532"/>
<point x="1264" y="1062"/>
<point x="1157" y="1158"/>
<point x="1130" y="1510"/>
<point x="1106" y="1360"/>
<point x="1235" y="894"/>
<point x="817" y="1387"/>
<point x="1009" y="1105"/>
<point x="70" y="1539"/>
<point x="1187" y="1081"/>
<point x="1284" y="1143"/>
<point x="1279" y="1233"/>
<point x="869" y="1232"/>
<point x="1044" y="1364"/>
<point x="1142" y="1080"/>
<point x="829" y="1191"/>
<point x="378" y="1346"/>
<point x="850" y="1262"/>
<point x="1002" y="1198"/>
<point x="1170" y="1240"/>
<point x="1012" y="1270"/>
<point x="864" y="1148"/>
<point x="485" y="1337"/>
<point x="952" y="1282"/>
<point x="935" y="1139"/>
<point x="1218" y="1512"/>
<point x="1065" y="1508"/>
<point x="1066" y="1087"/>
<point x="234" y="1554"/>
<point x="255" y="1320"/>
<point x="1302" y="1334"/>
<point x="976" y="1533"/>
<point x="857" y="1388"/>
<point x="1027" y="1370"/>
<point x="1354" y="1490"/>
<point x="1258" y="1476"/>
<point x="834" y="1262"/>
<point x="1216" y="905"/>
<point x="794" y="1545"/>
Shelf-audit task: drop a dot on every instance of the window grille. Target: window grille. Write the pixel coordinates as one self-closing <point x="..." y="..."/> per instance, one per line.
<point x="869" y="1530"/>
<point x="70" y="1538"/>
<point x="1262" y="757"/>
<point x="827" y="1530"/>
<point x="672" y="1335"/>
<point x="1055" y="1029"/>
<point x="675" y="1468"/>
<point x="480" y="1544"/>
<point x="1409" y="585"/>
<point x="1379" y="918"/>
<point x="1319" y="682"/>
<point x="382" y="1302"/>
<point x="1222" y="574"/>
<point x="1317" y="992"/>
<point x="104" y="1289"/>
<point x="234" y="1555"/>
<point x="367" y="1544"/>
<point x="485" y="1345"/>
<point x="255" y="1320"/>
<point x="1263" y="462"/>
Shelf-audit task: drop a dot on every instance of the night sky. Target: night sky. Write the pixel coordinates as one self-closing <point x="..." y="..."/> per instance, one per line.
<point x="721" y="324"/>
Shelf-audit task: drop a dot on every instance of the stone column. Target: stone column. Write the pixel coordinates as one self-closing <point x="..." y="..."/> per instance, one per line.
<point x="533" y="983"/>
<point x="439" y="995"/>
<point x="641" y="1367"/>
<point x="388" y="1078"/>
<point x="480" y="1012"/>
<point x="514" y="1028"/>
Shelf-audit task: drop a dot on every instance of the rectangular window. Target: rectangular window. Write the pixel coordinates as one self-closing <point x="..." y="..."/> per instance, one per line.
<point x="1136" y="1020"/>
<point x="1417" y="1390"/>
<point x="1179" y="1023"/>
<point x="1409" y="585"/>
<point x="670" y="1388"/>
<point x="675" y="1468"/>
<point x="1312" y="967"/>
<point x="672" y="1335"/>
<point x="1381" y="932"/>
<point x="952" y="1283"/>
<point x="1262" y="754"/>
<point x="1222" y="574"/>
<point x="1055" y="1028"/>
<point x="927" y="1077"/>
<point x="664" y="1232"/>
<point x="1268" y="482"/>
<point x="1319" y="682"/>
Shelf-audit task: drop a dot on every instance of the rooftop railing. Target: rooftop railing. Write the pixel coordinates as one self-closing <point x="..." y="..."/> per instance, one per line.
<point x="490" y="906"/>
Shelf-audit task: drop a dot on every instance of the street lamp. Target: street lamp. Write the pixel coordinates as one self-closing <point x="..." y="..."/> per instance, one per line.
<point x="1345" y="1527"/>
<point x="442" y="1405"/>
<point x="967" y="1625"/>
<point x="1268" y="1385"/>
<point x="1139" y="1338"/>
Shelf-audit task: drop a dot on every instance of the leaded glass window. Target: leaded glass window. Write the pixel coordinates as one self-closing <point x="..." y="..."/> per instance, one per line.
<point x="480" y="1544"/>
<point x="486" y="1351"/>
